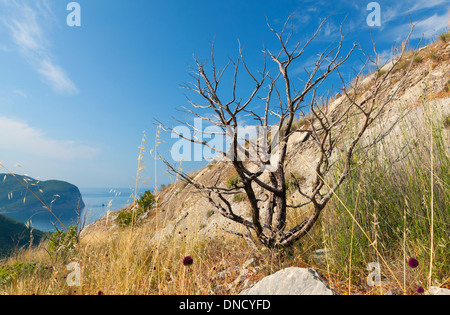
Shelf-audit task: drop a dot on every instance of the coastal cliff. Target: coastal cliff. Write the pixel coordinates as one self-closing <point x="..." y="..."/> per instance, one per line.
<point x="23" y="198"/>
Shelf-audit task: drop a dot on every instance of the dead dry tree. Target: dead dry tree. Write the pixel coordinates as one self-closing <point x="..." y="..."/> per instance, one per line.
<point x="275" y="101"/>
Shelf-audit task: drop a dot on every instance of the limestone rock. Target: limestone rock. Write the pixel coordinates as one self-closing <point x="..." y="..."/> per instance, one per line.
<point x="291" y="281"/>
<point x="439" y="291"/>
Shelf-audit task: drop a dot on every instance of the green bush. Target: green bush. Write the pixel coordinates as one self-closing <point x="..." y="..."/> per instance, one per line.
<point x="297" y="124"/>
<point x="62" y="244"/>
<point x="239" y="197"/>
<point x="145" y="203"/>
<point x="445" y="37"/>
<point x="418" y="59"/>
<point x="401" y="66"/>
<point x="212" y="164"/>
<point x="11" y="272"/>
<point x="233" y="181"/>
<point x="433" y="56"/>
<point x="125" y="218"/>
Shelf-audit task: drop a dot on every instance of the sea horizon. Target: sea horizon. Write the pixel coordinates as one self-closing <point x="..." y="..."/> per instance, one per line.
<point x="99" y="201"/>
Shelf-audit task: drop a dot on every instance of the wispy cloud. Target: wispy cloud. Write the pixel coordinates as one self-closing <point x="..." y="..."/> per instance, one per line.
<point x="20" y="93"/>
<point x="23" y="23"/>
<point x="427" y="28"/>
<point x="432" y="26"/>
<point x="399" y="9"/>
<point x="426" y="4"/>
<point x="55" y="77"/>
<point x="20" y="137"/>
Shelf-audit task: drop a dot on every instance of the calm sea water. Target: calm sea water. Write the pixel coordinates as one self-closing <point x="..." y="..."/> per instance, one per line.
<point x="98" y="202"/>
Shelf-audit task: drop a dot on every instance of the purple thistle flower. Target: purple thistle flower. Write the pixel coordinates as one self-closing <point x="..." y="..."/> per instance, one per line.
<point x="420" y="290"/>
<point x="100" y="293"/>
<point x="413" y="263"/>
<point x="188" y="260"/>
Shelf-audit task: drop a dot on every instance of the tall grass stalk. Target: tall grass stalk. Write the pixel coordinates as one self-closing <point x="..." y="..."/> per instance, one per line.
<point x="431" y="197"/>
<point x="351" y="249"/>
<point x="337" y="225"/>
<point x="406" y="180"/>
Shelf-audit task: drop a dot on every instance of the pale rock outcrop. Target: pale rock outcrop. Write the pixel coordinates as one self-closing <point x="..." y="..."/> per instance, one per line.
<point x="439" y="291"/>
<point x="291" y="281"/>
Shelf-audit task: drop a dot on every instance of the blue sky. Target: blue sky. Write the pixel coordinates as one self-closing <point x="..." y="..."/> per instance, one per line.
<point x="74" y="101"/>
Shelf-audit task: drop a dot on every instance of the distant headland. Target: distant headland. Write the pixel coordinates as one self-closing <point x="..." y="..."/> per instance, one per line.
<point x="23" y="198"/>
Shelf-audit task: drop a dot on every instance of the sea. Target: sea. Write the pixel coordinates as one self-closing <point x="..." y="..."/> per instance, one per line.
<point x="98" y="201"/>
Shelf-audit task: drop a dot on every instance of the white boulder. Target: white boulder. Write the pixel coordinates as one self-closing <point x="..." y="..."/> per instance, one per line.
<point x="290" y="281"/>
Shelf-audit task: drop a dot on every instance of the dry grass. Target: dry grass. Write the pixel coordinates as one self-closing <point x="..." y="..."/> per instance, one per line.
<point x="126" y="262"/>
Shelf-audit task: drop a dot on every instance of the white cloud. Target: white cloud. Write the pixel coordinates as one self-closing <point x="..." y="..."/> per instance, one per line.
<point x="25" y="31"/>
<point x="403" y="8"/>
<point x="20" y="137"/>
<point x="20" y="93"/>
<point x="24" y="24"/>
<point x="56" y="78"/>
<point x="427" y="28"/>
<point x="426" y="4"/>
<point x="431" y="26"/>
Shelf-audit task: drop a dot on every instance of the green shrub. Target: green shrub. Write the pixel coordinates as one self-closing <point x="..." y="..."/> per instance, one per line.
<point x="11" y="272"/>
<point x="62" y="244"/>
<point x="212" y="164"/>
<point x="433" y="56"/>
<point x="129" y="216"/>
<point x="233" y="181"/>
<point x="147" y="201"/>
<point x="418" y="59"/>
<point x="239" y="197"/>
<point x="297" y="124"/>
<point x="401" y="65"/>
<point x="126" y="217"/>
<point x="445" y="37"/>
